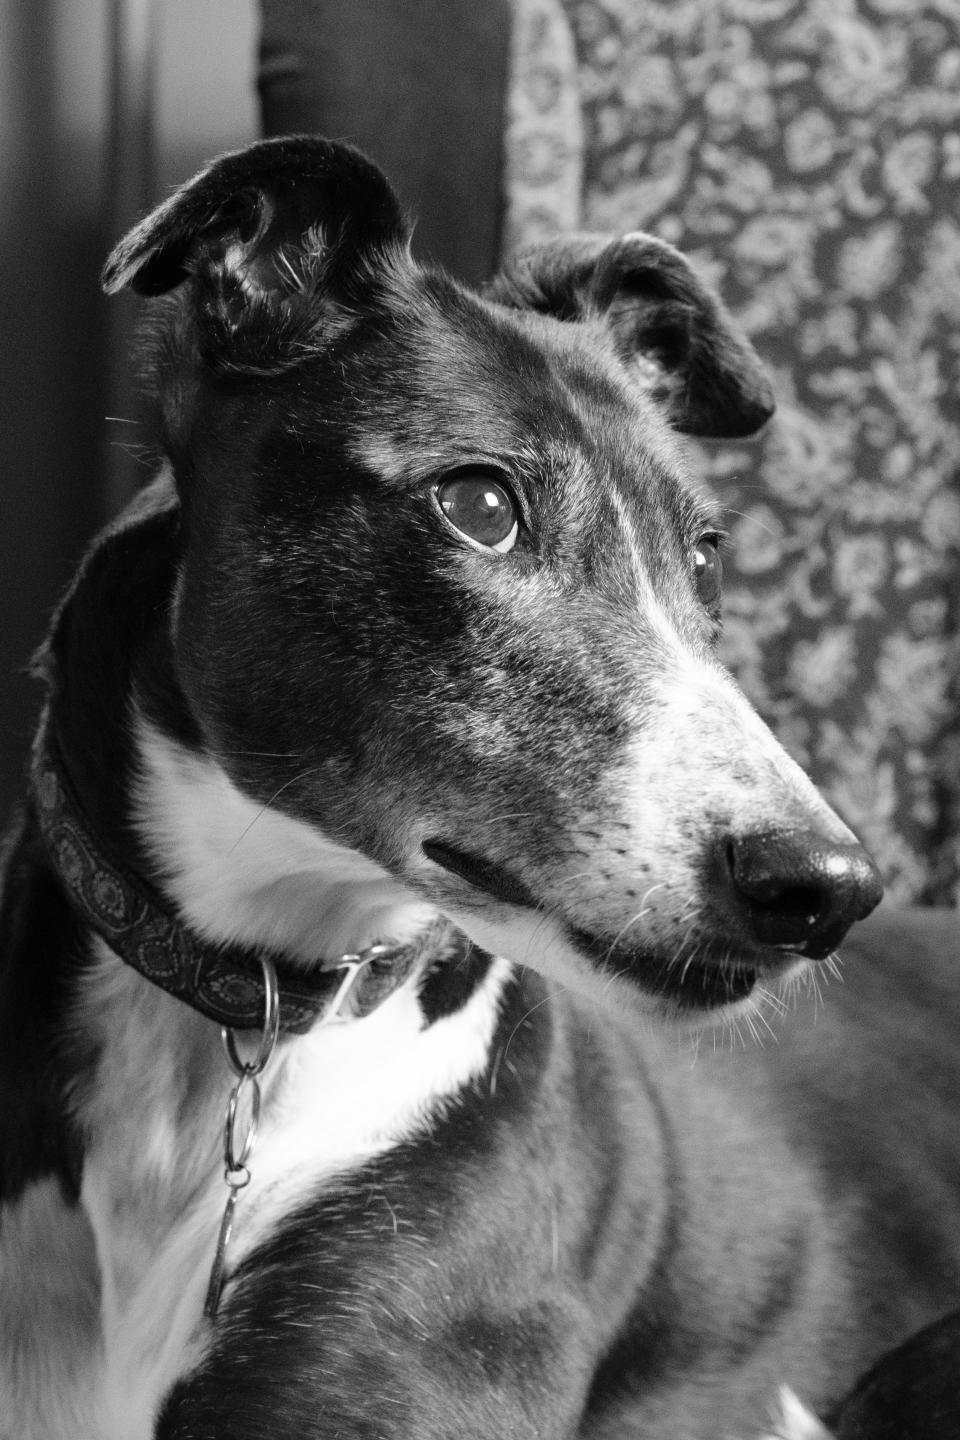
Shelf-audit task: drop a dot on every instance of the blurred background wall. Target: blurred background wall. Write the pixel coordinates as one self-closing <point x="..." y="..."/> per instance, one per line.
<point x="86" y="145"/>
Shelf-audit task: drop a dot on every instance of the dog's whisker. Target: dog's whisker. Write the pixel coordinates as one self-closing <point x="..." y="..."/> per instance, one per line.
<point x="501" y="1057"/>
<point x="289" y="271"/>
<point x="266" y="754"/>
<point x="765" y="997"/>
<point x="687" y="963"/>
<point x="685" y="956"/>
<point x="502" y="819"/>
<point x="759" y="524"/>
<point x="634" y="920"/>
<point x="294" y="779"/>
<point x="143" y="455"/>
<point x="564" y="880"/>
<point x="775" y="1001"/>
<point x="812" y="978"/>
<point x="834" y="966"/>
<point x="611" y="978"/>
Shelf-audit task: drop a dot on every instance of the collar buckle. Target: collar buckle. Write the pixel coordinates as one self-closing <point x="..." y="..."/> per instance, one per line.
<point x="347" y="1003"/>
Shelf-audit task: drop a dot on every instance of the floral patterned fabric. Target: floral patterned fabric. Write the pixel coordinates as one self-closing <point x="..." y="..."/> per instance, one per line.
<point x="543" y="151"/>
<point x="806" y="155"/>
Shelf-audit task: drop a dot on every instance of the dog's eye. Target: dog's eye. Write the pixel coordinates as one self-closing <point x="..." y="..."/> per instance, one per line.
<point x="481" y="508"/>
<point x="707" y="571"/>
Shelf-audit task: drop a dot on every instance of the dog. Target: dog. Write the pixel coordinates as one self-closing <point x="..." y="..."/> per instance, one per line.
<point x="386" y="741"/>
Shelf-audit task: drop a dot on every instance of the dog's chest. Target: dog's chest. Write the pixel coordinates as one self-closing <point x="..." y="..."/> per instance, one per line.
<point x="144" y="1236"/>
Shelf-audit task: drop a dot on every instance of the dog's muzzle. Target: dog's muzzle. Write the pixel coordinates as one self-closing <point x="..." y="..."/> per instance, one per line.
<point x="791" y="891"/>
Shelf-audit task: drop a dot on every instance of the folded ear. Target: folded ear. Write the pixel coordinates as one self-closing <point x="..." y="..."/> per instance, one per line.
<point x="673" y="333"/>
<point x="265" y="235"/>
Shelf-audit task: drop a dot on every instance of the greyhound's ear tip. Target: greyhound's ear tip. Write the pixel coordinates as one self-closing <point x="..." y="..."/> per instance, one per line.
<point x="270" y="196"/>
<point x="751" y="416"/>
<point x="733" y="404"/>
<point x="144" y="273"/>
<point x="118" y="272"/>
<point x="765" y="407"/>
<point x="757" y="401"/>
<point x="756" y="406"/>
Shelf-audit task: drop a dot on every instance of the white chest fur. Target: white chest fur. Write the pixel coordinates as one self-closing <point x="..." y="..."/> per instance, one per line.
<point x="244" y="872"/>
<point x="152" y="1110"/>
<point x="153" y="1193"/>
<point x="153" y="1190"/>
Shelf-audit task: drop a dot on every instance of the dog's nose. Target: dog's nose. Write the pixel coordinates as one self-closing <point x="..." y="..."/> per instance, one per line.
<point x="797" y="891"/>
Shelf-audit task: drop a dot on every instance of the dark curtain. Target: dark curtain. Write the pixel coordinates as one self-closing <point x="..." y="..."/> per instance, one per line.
<point x="420" y="85"/>
<point x="52" y="380"/>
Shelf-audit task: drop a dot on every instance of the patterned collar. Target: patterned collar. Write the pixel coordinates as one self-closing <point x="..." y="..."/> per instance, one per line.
<point x="223" y="982"/>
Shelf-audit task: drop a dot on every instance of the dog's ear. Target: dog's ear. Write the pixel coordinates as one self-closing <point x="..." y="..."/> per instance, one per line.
<point x="263" y="235"/>
<point x="671" y="330"/>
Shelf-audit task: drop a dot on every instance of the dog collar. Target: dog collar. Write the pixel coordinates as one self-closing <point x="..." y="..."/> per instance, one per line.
<point x="223" y="982"/>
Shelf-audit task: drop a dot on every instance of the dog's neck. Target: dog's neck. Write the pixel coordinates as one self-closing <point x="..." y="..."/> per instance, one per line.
<point x="334" y="1100"/>
<point x="148" y="804"/>
<point x="224" y="976"/>
<point x="149" y="1098"/>
<point x="244" y="873"/>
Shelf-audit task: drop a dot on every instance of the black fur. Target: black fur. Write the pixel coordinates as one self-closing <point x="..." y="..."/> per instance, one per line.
<point x="41" y="962"/>
<point x="111" y="623"/>
<point x="559" y="1253"/>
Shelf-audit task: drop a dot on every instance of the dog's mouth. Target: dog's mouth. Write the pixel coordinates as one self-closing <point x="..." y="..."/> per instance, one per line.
<point x="688" y="984"/>
<point x="483" y="874"/>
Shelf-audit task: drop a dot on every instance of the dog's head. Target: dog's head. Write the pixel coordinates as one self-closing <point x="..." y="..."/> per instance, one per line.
<point x="449" y="593"/>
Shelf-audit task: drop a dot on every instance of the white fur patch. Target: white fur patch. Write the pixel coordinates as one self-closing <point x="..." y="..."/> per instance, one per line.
<point x="153" y="1192"/>
<point x="240" y="871"/>
<point x="343" y="1095"/>
<point x="49" y="1297"/>
<point x="795" y="1421"/>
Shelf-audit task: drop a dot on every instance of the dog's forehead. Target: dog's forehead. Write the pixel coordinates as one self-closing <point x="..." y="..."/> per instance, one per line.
<point x="481" y="382"/>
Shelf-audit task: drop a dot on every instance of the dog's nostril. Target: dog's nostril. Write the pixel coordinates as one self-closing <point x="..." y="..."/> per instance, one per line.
<point x="766" y="886"/>
<point x="797" y="891"/>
